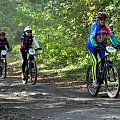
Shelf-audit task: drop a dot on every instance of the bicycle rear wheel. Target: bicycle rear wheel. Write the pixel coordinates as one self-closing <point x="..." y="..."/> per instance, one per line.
<point x="89" y="81"/>
<point x="33" y="72"/>
<point x="112" y="81"/>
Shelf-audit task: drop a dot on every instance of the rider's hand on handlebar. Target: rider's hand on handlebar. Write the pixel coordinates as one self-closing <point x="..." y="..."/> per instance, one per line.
<point x="9" y="50"/>
<point x="100" y="47"/>
<point x="39" y="49"/>
<point x="117" y="47"/>
<point x="97" y="47"/>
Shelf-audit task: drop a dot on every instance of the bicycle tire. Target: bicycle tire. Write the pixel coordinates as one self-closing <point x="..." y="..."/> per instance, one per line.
<point x="112" y="81"/>
<point x="26" y="73"/>
<point x="0" y="71"/>
<point x="33" y="72"/>
<point x="4" y="69"/>
<point x="89" y="81"/>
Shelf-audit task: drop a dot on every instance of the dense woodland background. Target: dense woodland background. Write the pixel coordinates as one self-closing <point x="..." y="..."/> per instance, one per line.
<point x="61" y="27"/>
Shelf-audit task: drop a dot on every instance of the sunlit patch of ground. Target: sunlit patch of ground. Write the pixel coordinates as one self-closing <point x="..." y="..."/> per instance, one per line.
<point x="71" y="83"/>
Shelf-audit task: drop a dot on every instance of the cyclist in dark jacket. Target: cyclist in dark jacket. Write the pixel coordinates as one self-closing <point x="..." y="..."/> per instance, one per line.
<point x="3" y="42"/>
<point x="98" y="33"/>
<point x="26" y="42"/>
<point x="3" y="45"/>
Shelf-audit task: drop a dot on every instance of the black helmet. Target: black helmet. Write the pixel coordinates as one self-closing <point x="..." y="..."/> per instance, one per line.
<point x="101" y="15"/>
<point x="2" y="33"/>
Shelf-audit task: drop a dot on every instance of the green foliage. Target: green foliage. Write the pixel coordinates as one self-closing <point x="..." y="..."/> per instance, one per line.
<point x="61" y="26"/>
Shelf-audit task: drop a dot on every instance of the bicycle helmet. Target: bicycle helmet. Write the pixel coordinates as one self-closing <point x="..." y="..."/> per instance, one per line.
<point x="28" y="28"/>
<point x="2" y="33"/>
<point x="101" y="15"/>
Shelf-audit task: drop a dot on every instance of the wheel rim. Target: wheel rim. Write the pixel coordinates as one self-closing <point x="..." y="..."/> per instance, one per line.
<point x="26" y="74"/>
<point x="92" y="91"/>
<point x="4" y="69"/>
<point x="113" y="83"/>
<point x="33" y="72"/>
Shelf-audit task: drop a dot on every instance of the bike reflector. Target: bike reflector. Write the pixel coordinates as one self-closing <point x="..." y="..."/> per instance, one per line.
<point x="32" y="51"/>
<point x="3" y="52"/>
<point x="110" y="49"/>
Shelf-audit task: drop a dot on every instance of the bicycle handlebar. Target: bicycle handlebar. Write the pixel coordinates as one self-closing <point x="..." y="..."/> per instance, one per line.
<point x="38" y="49"/>
<point x="9" y="50"/>
<point x="104" y="47"/>
<point x="34" y="49"/>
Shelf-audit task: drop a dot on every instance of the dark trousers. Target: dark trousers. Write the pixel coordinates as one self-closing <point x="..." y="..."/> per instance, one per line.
<point x="24" y="59"/>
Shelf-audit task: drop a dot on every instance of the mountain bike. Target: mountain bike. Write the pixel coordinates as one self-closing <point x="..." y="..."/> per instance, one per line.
<point x="107" y="74"/>
<point x="3" y="64"/>
<point x="31" y="68"/>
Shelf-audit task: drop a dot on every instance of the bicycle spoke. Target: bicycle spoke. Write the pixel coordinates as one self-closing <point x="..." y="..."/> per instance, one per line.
<point x="33" y="72"/>
<point x="26" y="74"/>
<point x="91" y="90"/>
<point x="4" y="69"/>
<point x="112" y="81"/>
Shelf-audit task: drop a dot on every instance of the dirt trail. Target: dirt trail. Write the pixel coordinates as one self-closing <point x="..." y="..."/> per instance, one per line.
<point x="48" y="101"/>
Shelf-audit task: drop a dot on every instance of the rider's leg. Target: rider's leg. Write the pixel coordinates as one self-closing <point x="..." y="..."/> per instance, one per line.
<point x="102" y="56"/>
<point x="93" y="54"/>
<point x="94" y="70"/>
<point x="24" y="58"/>
<point x="94" y="66"/>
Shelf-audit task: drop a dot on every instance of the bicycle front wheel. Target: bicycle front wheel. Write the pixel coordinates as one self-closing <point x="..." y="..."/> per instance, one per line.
<point x="33" y="72"/>
<point x="112" y="81"/>
<point x="89" y="81"/>
<point x="4" y="69"/>
<point x="26" y="74"/>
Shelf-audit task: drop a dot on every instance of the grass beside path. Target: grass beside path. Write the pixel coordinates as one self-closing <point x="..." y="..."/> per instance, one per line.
<point x="71" y="73"/>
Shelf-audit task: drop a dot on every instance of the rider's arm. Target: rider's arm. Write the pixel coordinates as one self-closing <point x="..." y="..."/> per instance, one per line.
<point x="7" y="43"/>
<point x="36" y="43"/>
<point x="93" y="32"/>
<point x="22" y="46"/>
<point x="93" y="42"/>
<point x="113" y="38"/>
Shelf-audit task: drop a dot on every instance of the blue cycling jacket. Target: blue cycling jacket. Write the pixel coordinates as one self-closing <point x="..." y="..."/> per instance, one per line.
<point x="98" y="34"/>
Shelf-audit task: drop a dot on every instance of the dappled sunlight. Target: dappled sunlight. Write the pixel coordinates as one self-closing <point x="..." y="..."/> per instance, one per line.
<point x="22" y="96"/>
<point x="15" y="62"/>
<point x="54" y="105"/>
<point x="74" y="83"/>
<point x="61" y="28"/>
<point x="47" y="98"/>
<point x="81" y="110"/>
<point x="71" y="72"/>
<point x="110" y="116"/>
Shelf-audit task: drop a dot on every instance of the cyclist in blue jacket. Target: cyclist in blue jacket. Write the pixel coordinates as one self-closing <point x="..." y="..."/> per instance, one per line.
<point x="98" y="33"/>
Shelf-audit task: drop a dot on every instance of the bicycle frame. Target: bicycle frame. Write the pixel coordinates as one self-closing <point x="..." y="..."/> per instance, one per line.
<point x="31" y="68"/>
<point x="3" y="54"/>
<point x="106" y="62"/>
<point x="3" y="63"/>
<point x="30" y="57"/>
